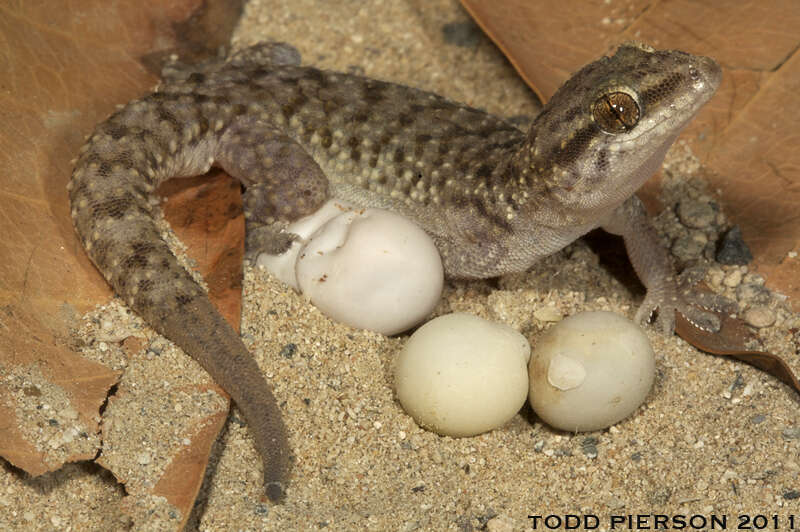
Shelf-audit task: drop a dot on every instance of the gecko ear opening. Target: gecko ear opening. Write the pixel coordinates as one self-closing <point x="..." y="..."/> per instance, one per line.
<point x="616" y="112"/>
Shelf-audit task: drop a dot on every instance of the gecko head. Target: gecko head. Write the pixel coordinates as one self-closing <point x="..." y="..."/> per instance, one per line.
<point x="607" y="129"/>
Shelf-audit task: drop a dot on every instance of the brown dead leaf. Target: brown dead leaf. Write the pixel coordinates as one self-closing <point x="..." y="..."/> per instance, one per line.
<point x="747" y="135"/>
<point x="65" y="67"/>
<point x="38" y="370"/>
<point x="731" y="340"/>
<point x="206" y="214"/>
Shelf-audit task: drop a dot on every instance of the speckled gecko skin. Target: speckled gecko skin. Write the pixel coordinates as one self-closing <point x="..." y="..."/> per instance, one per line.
<point x="494" y="199"/>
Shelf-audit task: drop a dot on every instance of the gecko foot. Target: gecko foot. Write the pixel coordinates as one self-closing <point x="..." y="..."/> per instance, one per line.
<point x="267" y="238"/>
<point x="700" y="307"/>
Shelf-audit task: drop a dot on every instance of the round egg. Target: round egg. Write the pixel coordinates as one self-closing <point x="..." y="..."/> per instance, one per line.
<point x="372" y="269"/>
<point x="369" y="268"/>
<point x="460" y="375"/>
<point x="590" y="371"/>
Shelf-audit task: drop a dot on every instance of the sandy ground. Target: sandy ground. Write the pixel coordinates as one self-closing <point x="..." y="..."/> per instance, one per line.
<point x="715" y="437"/>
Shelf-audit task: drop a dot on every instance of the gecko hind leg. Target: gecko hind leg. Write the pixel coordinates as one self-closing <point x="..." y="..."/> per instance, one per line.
<point x="283" y="182"/>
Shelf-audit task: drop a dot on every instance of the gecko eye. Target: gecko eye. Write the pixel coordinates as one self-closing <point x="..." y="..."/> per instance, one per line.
<point x="615" y="112"/>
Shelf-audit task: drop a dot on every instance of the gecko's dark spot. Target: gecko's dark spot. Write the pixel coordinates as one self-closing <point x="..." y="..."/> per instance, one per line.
<point x="145" y="285"/>
<point x="569" y="116"/>
<point x="93" y="158"/>
<point x="574" y="148"/>
<point x="353" y="142"/>
<point x="484" y="170"/>
<point x="662" y="90"/>
<point x="104" y="169"/>
<point x="601" y="161"/>
<point x="405" y="119"/>
<point x="326" y="138"/>
<point x="360" y="117"/>
<point x="317" y="76"/>
<point x="355" y="154"/>
<point x="484" y="212"/>
<point x="444" y="147"/>
<point x="330" y="106"/>
<point x="294" y="105"/>
<point x="383" y="142"/>
<point x="373" y="161"/>
<point x="124" y="159"/>
<point x="239" y="109"/>
<point x="114" y="208"/>
<point x="399" y="154"/>
<point x="197" y="78"/>
<point x="373" y="92"/>
<point x="184" y="299"/>
<point x="117" y="131"/>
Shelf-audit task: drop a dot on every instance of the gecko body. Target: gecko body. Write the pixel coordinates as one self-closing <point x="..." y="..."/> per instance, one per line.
<point x="493" y="198"/>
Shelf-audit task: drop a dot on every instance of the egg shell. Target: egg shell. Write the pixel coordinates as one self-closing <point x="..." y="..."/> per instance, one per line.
<point x="372" y="269"/>
<point x="283" y="266"/>
<point x="590" y="371"/>
<point x="460" y="375"/>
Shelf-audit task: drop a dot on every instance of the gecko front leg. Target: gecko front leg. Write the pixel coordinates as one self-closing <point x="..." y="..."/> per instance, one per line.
<point x="654" y="267"/>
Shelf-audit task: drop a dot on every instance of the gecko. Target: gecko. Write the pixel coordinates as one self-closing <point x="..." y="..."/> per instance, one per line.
<point x="493" y="198"/>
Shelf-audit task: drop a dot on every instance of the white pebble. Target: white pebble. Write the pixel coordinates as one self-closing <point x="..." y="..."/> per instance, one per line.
<point x="369" y="268"/>
<point x="460" y="375"/>
<point x="590" y="371"/>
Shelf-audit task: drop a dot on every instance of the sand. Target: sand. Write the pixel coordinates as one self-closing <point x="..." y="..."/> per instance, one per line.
<point x="714" y="437"/>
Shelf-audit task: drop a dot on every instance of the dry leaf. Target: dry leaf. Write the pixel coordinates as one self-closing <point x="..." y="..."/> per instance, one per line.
<point x="65" y="67"/>
<point x="731" y="340"/>
<point x="50" y="397"/>
<point x="748" y="133"/>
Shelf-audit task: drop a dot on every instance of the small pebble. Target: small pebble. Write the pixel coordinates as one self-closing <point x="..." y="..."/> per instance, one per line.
<point x="695" y="214"/>
<point x="68" y="413"/>
<point x="733" y="279"/>
<point x="547" y="313"/>
<point x="791" y="433"/>
<point x="731" y="248"/>
<point x="463" y="33"/>
<point x="715" y="276"/>
<point x="589" y="447"/>
<point x="501" y="523"/>
<point x="752" y="293"/>
<point x="687" y="248"/>
<point x="759" y="316"/>
<point x="143" y="458"/>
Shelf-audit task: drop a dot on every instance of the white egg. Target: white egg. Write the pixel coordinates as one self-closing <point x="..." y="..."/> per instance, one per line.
<point x="590" y="371"/>
<point x="460" y="375"/>
<point x="368" y="268"/>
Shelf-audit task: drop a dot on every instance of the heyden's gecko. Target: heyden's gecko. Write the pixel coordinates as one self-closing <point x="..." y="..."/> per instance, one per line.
<point x="493" y="198"/>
